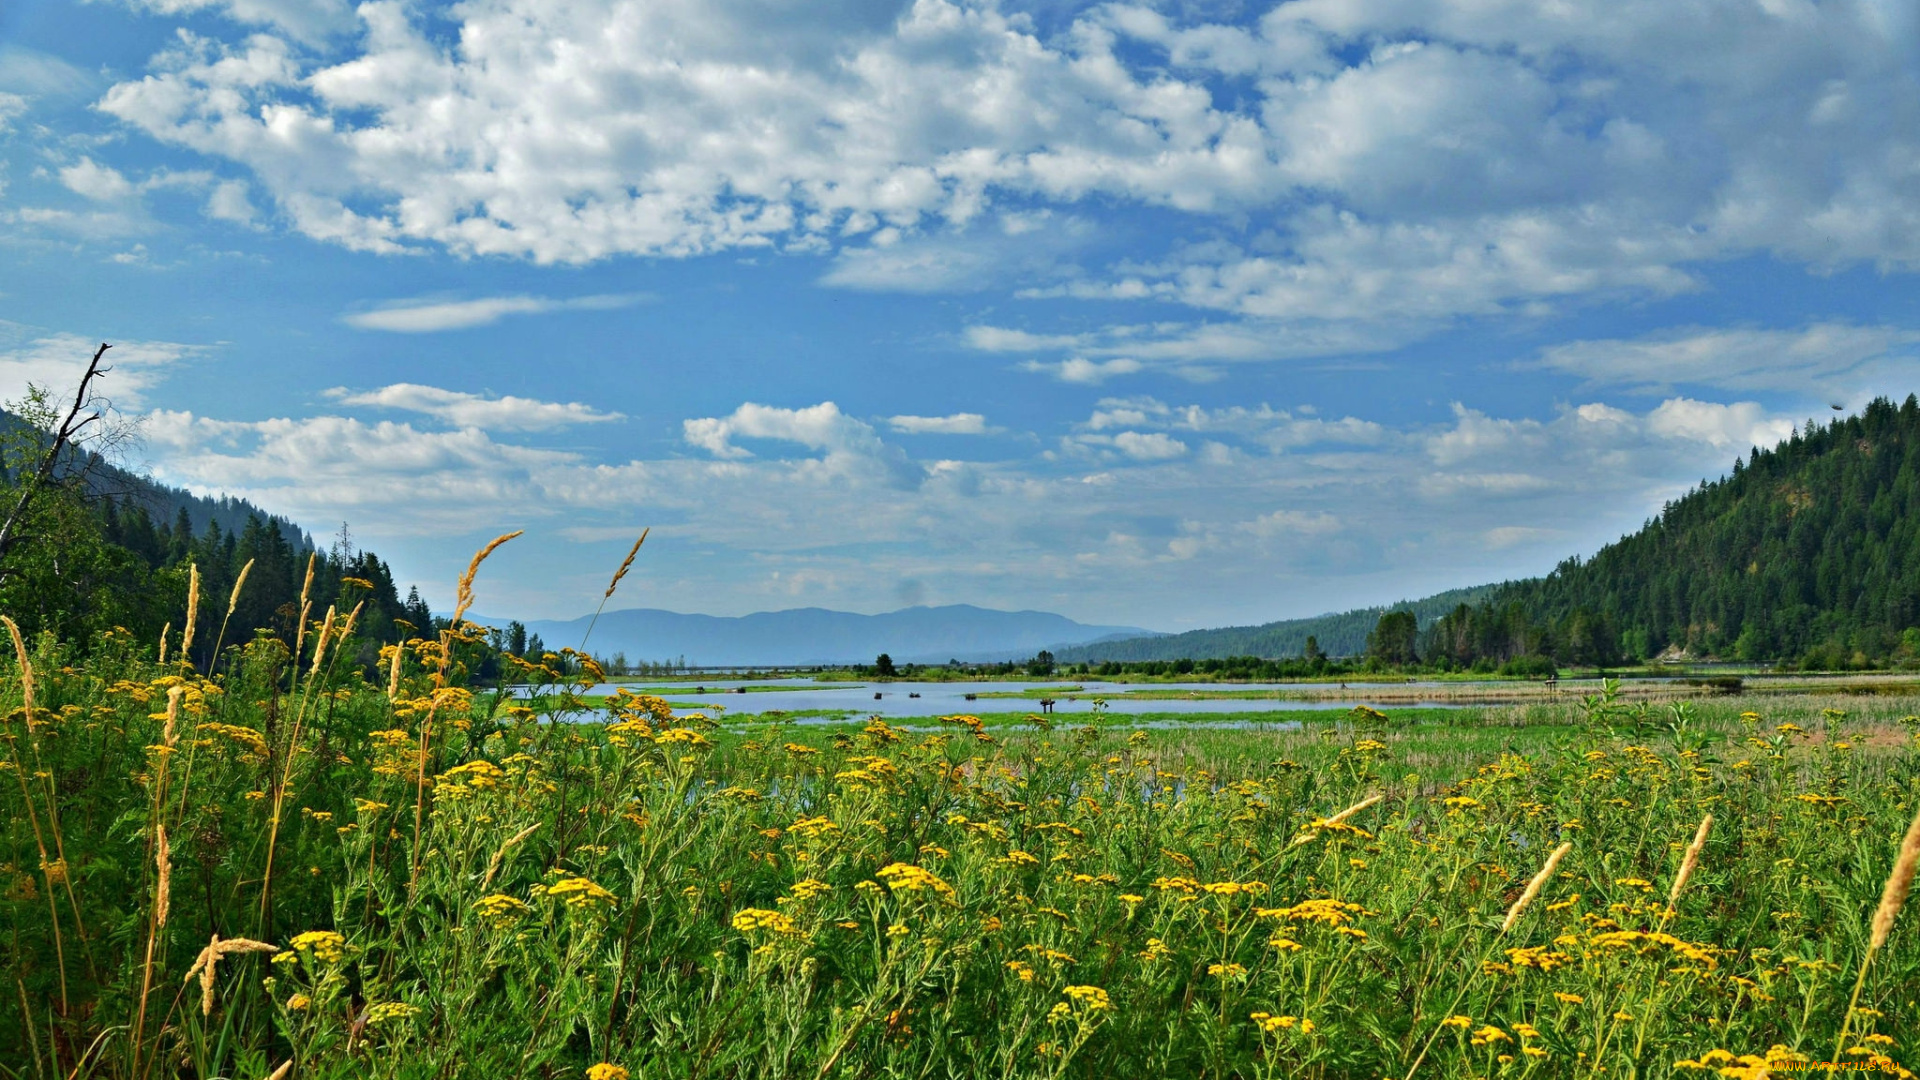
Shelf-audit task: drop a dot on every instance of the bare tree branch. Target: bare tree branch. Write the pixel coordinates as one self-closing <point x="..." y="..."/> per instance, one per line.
<point x="64" y="436"/>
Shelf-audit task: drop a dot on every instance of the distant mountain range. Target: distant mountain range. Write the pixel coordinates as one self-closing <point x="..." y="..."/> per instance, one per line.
<point x="922" y="635"/>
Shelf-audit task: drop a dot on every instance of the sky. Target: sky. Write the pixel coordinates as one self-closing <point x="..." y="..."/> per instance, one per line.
<point x="1167" y="315"/>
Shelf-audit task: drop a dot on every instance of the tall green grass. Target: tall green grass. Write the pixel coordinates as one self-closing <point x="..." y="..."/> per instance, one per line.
<point x="669" y="897"/>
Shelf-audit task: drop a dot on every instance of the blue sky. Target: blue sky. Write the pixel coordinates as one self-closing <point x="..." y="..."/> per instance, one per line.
<point x="1171" y="315"/>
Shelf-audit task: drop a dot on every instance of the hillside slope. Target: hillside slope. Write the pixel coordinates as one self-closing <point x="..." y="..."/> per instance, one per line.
<point x="109" y="550"/>
<point x="1807" y="552"/>
<point x="1337" y="634"/>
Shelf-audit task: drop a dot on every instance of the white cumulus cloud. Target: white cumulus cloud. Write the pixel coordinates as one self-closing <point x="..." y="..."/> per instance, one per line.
<point x="958" y="424"/>
<point x="55" y="363"/>
<point x="1382" y="166"/>
<point x="465" y="410"/>
<point x="425" y="317"/>
<point x="821" y="509"/>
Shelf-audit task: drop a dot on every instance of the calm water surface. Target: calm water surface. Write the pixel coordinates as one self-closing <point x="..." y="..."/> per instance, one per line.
<point x="929" y="699"/>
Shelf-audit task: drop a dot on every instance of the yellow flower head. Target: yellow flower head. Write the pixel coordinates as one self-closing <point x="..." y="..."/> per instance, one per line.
<point x="324" y="945"/>
<point x="749" y="919"/>
<point x="1271" y="1024"/>
<point x="906" y="877"/>
<point x="1092" y="998"/>
<point x="500" y="907"/>
<point x="578" y="892"/>
<point x="388" y="1011"/>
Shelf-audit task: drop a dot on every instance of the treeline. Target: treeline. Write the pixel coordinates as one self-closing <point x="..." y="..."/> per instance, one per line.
<point x="1806" y="554"/>
<point x="344" y="577"/>
<point x="152" y="563"/>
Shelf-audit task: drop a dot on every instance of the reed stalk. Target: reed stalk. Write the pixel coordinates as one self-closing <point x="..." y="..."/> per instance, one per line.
<point x="163" y="862"/>
<point x="463" y="600"/>
<point x="292" y="755"/>
<point x="193" y="611"/>
<point x="625" y="565"/>
<point x="1893" y="896"/>
<point x="33" y="816"/>
<point x="233" y="601"/>
<point x="300" y="624"/>
<point x="1527" y="896"/>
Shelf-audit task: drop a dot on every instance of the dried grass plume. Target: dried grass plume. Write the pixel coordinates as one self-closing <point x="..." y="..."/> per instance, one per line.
<point x="26" y="666"/>
<point x="627" y="564"/>
<point x="193" y="608"/>
<point x="209" y="959"/>
<point x="1899" y="883"/>
<point x="163" y="860"/>
<point x="464" y="595"/>
<point x="1533" y="887"/>
<point x="233" y="601"/>
<point x="1690" y="860"/>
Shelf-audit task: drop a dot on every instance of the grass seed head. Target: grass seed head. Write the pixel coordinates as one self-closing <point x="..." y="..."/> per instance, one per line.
<point x="1354" y="809"/>
<point x="320" y="643"/>
<point x="346" y="628"/>
<point x="163" y="860"/>
<point x="168" y="734"/>
<point x="464" y="594"/>
<point x="1533" y="887"/>
<point x="1690" y="860"/>
<point x="209" y="959"/>
<point x="1899" y="883"/>
<point x="193" y="608"/>
<point x="626" y="565"/>
<point x="233" y="601"/>
<point x="493" y="867"/>
<point x="306" y="587"/>
<point x="26" y="666"/>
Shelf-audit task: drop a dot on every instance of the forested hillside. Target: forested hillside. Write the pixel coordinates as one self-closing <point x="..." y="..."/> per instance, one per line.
<point x="106" y="549"/>
<point x="1807" y="551"/>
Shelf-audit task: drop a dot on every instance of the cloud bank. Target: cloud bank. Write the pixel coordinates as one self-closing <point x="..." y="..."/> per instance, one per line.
<point x="811" y="502"/>
<point x="1324" y="164"/>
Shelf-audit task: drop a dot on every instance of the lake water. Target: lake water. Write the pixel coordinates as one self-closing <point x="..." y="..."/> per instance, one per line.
<point x="898" y="699"/>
